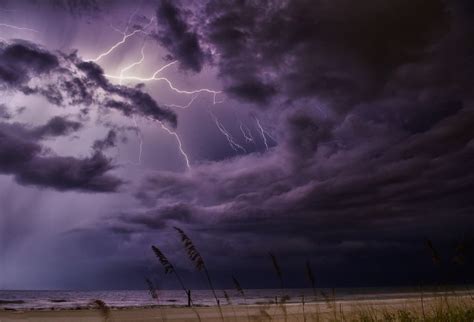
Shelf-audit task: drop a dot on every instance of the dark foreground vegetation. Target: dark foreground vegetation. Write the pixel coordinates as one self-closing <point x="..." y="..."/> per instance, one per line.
<point x="443" y="304"/>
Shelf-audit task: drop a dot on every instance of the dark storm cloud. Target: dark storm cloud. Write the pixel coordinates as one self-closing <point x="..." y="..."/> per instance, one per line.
<point x="68" y="173"/>
<point x="22" y="60"/>
<point x="57" y="126"/>
<point x="64" y="80"/>
<point x="342" y="206"/>
<point x="109" y="141"/>
<point x="73" y="7"/>
<point x="176" y="35"/>
<point x="67" y="80"/>
<point x="22" y="156"/>
<point x="146" y="105"/>
<point x="77" y="6"/>
<point x="4" y="113"/>
<point x="252" y="90"/>
<point x="156" y="219"/>
<point x="339" y="50"/>
<point x="15" y="150"/>
<point x="77" y="91"/>
<point x="136" y="100"/>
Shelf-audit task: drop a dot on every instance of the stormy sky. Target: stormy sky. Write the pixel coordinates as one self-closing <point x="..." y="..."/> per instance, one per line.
<point x="340" y="132"/>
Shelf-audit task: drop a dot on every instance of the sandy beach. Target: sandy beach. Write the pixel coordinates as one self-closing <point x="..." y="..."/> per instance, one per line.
<point x="290" y="312"/>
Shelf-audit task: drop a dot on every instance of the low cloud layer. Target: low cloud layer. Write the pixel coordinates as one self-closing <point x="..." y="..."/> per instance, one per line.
<point x="23" y="156"/>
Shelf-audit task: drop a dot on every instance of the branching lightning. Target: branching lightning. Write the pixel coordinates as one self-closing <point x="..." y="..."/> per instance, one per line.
<point x="127" y="35"/>
<point x="124" y="39"/>
<point x="246" y="133"/>
<point x="264" y="133"/>
<point x="155" y="77"/>
<point x="234" y="145"/>
<point x="171" y="132"/>
<point x="17" y="27"/>
<point x="140" y="138"/>
<point x="138" y="62"/>
<point x="180" y="144"/>
<point x="183" y="106"/>
<point x="124" y="76"/>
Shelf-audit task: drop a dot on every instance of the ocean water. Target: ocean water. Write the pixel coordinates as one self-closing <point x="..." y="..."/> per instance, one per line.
<point x="32" y="300"/>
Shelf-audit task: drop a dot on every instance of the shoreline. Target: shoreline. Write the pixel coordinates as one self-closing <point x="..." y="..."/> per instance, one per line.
<point x="261" y="312"/>
<point x="68" y="305"/>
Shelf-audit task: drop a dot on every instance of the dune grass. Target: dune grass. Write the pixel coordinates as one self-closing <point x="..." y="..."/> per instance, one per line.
<point x="440" y="309"/>
<point x="429" y="307"/>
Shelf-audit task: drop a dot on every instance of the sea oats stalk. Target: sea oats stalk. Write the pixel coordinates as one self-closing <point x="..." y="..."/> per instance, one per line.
<point x="422" y="303"/>
<point x="434" y="253"/>
<point x="103" y="309"/>
<point x="279" y="273"/>
<point x="153" y="290"/>
<point x="277" y="269"/>
<point x="239" y="289"/>
<point x="310" y="275"/>
<point x="460" y="252"/>
<point x="169" y="268"/>
<point x="302" y="303"/>
<point x="229" y="302"/>
<point x="198" y="261"/>
<point x="163" y="260"/>
<point x="312" y="280"/>
<point x="282" y="304"/>
<point x="333" y="298"/>
<point x="264" y="315"/>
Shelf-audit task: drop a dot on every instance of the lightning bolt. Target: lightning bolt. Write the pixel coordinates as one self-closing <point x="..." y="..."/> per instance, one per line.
<point x="17" y="27"/>
<point x="169" y="131"/>
<point x="234" y="145"/>
<point x="180" y="144"/>
<point x="139" y="131"/>
<point x="125" y="37"/>
<point x="138" y="62"/>
<point x="140" y="138"/>
<point x="246" y="133"/>
<point x="264" y="133"/>
<point x="184" y="106"/>
<point x="121" y="77"/>
<point x="156" y="77"/>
